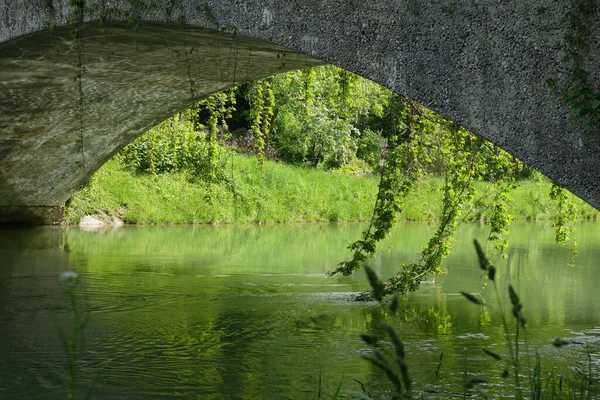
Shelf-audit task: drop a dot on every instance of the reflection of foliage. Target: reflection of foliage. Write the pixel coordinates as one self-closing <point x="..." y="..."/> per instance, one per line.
<point x="530" y="381"/>
<point x="432" y="319"/>
<point x="72" y="341"/>
<point x="392" y="364"/>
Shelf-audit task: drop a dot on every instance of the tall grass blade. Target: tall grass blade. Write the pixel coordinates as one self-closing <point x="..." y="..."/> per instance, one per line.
<point x="439" y="366"/>
<point x="371" y="340"/>
<point x="336" y="395"/>
<point x="376" y="284"/>
<point x="380" y="362"/>
<point x="398" y="345"/>
<point x="491" y="273"/>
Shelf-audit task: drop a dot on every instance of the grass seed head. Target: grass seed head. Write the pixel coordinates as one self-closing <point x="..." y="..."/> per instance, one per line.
<point x="472" y="298"/>
<point x="376" y="284"/>
<point x="491" y="272"/>
<point x="484" y="263"/>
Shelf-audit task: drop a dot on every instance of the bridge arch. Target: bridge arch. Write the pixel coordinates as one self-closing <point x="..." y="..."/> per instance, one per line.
<point x="485" y="66"/>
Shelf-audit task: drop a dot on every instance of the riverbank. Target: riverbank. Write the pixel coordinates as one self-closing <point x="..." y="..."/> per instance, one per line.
<point x="277" y="193"/>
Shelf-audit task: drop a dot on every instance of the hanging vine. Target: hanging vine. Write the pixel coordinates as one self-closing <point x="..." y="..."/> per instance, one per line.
<point x="564" y="219"/>
<point x="397" y="179"/>
<point x="424" y="140"/>
<point x="462" y="154"/>
<point x="501" y="217"/>
<point x="262" y="102"/>
<point x="219" y="107"/>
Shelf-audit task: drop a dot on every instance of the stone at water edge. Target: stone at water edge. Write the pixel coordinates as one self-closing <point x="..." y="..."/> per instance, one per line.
<point x="90" y="221"/>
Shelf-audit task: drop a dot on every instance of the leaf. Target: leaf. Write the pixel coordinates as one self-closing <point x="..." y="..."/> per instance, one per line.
<point x="398" y="345"/>
<point x="473" y="299"/>
<point x="376" y="284"/>
<point x="337" y="392"/>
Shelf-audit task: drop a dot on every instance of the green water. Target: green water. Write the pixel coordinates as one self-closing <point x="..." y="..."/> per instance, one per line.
<point x="247" y="311"/>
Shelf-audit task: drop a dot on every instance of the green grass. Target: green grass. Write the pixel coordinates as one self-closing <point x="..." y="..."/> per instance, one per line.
<point x="277" y="193"/>
<point x="285" y="194"/>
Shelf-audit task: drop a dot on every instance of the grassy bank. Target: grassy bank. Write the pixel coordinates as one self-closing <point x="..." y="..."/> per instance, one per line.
<point x="277" y="193"/>
<point x="284" y="194"/>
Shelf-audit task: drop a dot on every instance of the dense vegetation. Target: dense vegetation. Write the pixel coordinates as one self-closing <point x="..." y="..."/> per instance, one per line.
<point x="328" y="119"/>
<point x="287" y="194"/>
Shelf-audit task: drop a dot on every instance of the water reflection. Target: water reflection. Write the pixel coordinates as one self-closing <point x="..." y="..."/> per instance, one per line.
<point x="245" y="311"/>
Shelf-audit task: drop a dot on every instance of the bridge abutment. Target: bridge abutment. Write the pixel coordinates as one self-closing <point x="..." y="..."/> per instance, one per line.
<point x="32" y="215"/>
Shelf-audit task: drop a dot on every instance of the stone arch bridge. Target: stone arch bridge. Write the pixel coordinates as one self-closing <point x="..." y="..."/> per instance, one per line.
<point x="496" y="67"/>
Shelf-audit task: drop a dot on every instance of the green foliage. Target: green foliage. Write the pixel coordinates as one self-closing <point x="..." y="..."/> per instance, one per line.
<point x="398" y="177"/>
<point x="316" y="116"/>
<point x="172" y="146"/>
<point x="501" y="216"/>
<point x="261" y="100"/>
<point x="211" y="168"/>
<point x="585" y="105"/>
<point x="181" y="143"/>
<point x="564" y="217"/>
<point x="290" y="194"/>
<point x="355" y="167"/>
<point x="426" y="144"/>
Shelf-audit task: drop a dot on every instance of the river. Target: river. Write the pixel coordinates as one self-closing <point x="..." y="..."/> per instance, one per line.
<point x="247" y="312"/>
